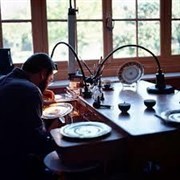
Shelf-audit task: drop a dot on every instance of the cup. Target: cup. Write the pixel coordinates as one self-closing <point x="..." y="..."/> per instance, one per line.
<point x="149" y="103"/>
<point x="107" y="84"/>
<point x="124" y="107"/>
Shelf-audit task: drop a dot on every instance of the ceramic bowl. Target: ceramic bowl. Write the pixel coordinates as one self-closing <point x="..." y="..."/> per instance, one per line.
<point x="149" y="103"/>
<point x="124" y="107"/>
<point x="106" y="84"/>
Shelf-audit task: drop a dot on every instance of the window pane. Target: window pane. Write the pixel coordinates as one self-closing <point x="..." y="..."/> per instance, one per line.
<point x="57" y="31"/>
<point x="123" y="9"/>
<point x="57" y="9"/>
<point x="90" y="40"/>
<point x="124" y="33"/>
<point x="175" y="27"/>
<point x="149" y="37"/>
<point x="89" y="9"/>
<point x="18" y="37"/>
<point x="15" y="9"/>
<point x="175" y="39"/>
<point x="175" y="8"/>
<point x="148" y="9"/>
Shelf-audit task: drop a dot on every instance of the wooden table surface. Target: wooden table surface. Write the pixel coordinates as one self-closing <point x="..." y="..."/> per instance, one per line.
<point x="139" y="121"/>
<point x="138" y="135"/>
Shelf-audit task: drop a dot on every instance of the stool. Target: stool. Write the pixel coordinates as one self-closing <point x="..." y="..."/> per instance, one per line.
<point x="55" y="165"/>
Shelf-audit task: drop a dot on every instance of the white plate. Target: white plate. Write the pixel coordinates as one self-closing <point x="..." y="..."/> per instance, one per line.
<point x="56" y="110"/>
<point x="85" y="130"/>
<point x="63" y="98"/>
<point x="172" y="116"/>
<point x="130" y="72"/>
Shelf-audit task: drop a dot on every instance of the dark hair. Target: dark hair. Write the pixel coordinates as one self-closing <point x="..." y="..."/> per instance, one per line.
<point x="37" y="62"/>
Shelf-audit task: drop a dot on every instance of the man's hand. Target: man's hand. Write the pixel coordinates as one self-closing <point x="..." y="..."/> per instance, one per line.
<point x="48" y="97"/>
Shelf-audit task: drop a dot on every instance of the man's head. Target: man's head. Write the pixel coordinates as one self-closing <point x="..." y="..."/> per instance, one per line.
<point x="40" y="68"/>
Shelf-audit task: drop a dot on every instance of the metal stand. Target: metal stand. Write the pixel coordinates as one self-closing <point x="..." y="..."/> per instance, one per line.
<point x="71" y="39"/>
<point x="160" y="87"/>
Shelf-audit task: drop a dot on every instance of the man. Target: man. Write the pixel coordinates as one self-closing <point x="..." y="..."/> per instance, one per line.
<point x="23" y="137"/>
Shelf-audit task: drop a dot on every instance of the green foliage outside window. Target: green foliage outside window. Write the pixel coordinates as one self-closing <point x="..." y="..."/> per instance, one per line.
<point x="141" y="26"/>
<point x="131" y="26"/>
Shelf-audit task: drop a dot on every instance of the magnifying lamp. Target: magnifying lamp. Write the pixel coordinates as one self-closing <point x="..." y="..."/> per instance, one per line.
<point x="86" y="93"/>
<point x="159" y="88"/>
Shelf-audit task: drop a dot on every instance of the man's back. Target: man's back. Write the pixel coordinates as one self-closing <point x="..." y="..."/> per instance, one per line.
<point x="21" y="127"/>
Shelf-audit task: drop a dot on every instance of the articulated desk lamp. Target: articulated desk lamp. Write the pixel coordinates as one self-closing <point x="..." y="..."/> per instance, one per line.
<point x="159" y="88"/>
<point x="85" y="92"/>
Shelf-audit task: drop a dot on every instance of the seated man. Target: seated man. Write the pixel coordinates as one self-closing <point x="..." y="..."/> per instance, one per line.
<point x="23" y="136"/>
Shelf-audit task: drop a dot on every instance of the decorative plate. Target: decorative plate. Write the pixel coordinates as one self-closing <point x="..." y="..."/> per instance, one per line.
<point x="85" y="130"/>
<point x="130" y="72"/>
<point x="171" y="116"/>
<point x="57" y="110"/>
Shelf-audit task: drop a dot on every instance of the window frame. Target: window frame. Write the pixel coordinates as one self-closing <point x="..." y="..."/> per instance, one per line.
<point x="169" y="63"/>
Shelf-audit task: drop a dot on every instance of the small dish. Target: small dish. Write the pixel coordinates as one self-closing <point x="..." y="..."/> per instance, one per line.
<point x="106" y="84"/>
<point x="149" y="103"/>
<point x="107" y="88"/>
<point x="124" y="107"/>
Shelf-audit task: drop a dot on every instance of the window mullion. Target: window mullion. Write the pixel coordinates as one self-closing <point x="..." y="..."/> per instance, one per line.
<point x="165" y="28"/>
<point x="39" y="26"/>
<point x="107" y="34"/>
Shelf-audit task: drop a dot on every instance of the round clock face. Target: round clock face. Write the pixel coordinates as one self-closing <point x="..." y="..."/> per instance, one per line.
<point x="130" y="72"/>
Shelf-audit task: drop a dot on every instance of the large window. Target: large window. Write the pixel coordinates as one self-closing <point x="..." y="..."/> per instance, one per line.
<point x="16" y="28"/>
<point x="136" y="22"/>
<point x="28" y="26"/>
<point x="175" y="40"/>
<point x="89" y="27"/>
<point x="57" y="12"/>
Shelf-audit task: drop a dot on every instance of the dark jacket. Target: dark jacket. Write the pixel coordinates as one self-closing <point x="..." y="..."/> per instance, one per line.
<point x="23" y="137"/>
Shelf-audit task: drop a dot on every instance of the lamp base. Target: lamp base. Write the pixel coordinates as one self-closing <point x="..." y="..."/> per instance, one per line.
<point x="86" y="94"/>
<point x="154" y="90"/>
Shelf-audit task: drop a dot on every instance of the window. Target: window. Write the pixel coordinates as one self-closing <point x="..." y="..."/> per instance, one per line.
<point x="175" y="33"/>
<point x="28" y="26"/>
<point x="89" y="27"/>
<point x="136" y="22"/>
<point x="57" y="14"/>
<point x="16" y="28"/>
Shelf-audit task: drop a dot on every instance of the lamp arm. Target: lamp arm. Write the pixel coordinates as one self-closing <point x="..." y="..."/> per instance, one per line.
<point x="71" y="48"/>
<point x="121" y="47"/>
